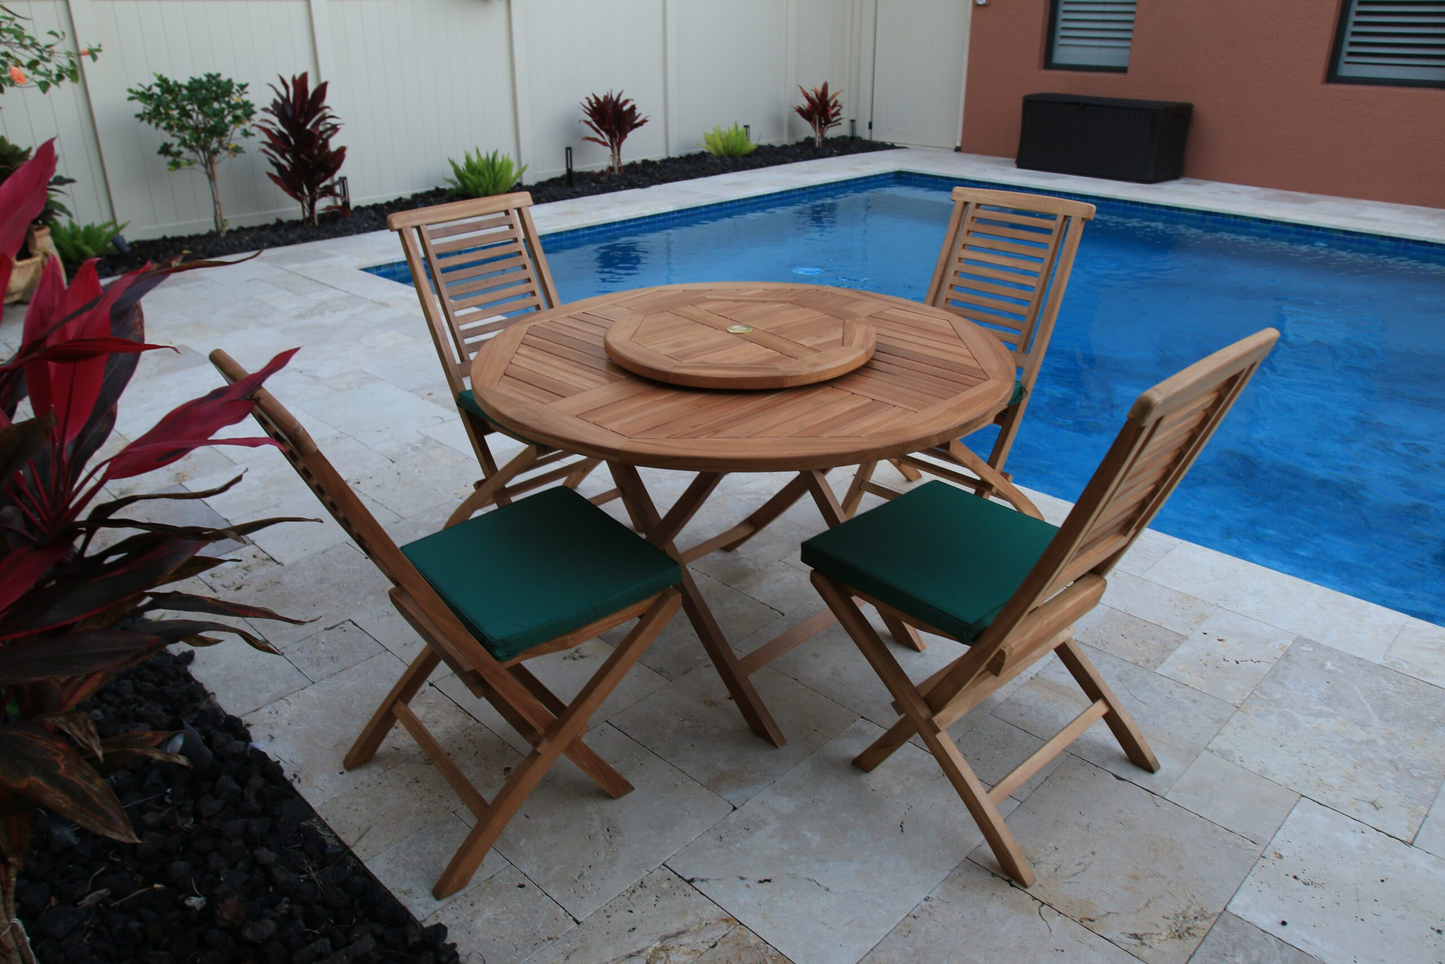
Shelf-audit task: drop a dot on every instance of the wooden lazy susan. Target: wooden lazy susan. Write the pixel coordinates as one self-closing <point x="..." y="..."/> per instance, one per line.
<point x="713" y="338"/>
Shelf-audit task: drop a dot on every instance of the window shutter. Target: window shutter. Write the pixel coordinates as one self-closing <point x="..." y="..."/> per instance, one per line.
<point x="1393" y="40"/>
<point x="1092" y="33"/>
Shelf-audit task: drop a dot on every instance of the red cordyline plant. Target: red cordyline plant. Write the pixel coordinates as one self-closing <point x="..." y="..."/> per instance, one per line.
<point x="822" y="111"/>
<point x="298" y="144"/>
<point x="611" y="117"/>
<point x="75" y="609"/>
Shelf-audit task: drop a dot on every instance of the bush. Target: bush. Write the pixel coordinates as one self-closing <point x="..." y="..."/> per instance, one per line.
<point x="727" y="142"/>
<point x="26" y="59"/>
<point x="484" y="175"/>
<point x="78" y="243"/>
<point x="298" y="143"/>
<point x="206" y="115"/>
<point x="821" y="110"/>
<point x="611" y="117"/>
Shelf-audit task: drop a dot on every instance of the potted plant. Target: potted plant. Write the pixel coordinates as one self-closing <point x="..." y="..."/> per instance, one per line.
<point x="38" y="245"/>
<point x="84" y="589"/>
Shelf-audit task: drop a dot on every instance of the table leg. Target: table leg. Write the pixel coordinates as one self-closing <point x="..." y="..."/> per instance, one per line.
<point x="662" y="532"/>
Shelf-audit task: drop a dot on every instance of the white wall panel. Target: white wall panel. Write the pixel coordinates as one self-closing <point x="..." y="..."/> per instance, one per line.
<point x="572" y="48"/>
<point x="732" y="68"/>
<point x="28" y="118"/>
<point x="417" y="81"/>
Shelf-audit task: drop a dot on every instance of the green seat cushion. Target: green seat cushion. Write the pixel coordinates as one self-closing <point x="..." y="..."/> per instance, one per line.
<point x="468" y="401"/>
<point x="528" y="572"/>
<point x="937" y="553"/>
<point x="1019" y="392"/>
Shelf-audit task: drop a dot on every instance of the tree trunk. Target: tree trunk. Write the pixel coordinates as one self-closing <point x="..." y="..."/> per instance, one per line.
<point x="216" y="213"/>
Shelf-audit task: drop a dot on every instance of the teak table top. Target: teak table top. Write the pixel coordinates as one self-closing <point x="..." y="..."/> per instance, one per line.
<point x="781" y="338"/>
<point x="549" y="379"/>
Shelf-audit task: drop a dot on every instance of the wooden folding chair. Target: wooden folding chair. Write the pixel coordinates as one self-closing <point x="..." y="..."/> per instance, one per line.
<point x="544" y="573"/>
<point x="1010" y="585"/>
<point x="477" y="267"/>
<point x="1004" y="265"/>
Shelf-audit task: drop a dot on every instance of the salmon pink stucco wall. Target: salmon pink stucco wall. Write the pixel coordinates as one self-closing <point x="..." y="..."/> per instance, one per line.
<point x="1255" y="71"/>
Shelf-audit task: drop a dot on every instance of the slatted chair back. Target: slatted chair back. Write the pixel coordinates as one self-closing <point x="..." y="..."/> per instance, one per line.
<point x="1004" y="265"/>
<point x="353" y="516"/>
<point x="485" y="269"/>
<point x="1166" y="429"/>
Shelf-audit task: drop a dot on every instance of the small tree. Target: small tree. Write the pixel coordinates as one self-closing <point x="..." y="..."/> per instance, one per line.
<point x="298" y="143"/>
<point x="27" y="60"/>
<point x="823" y="111"/>
<point x="206" y="115"/>
<point x="611" y="117"/>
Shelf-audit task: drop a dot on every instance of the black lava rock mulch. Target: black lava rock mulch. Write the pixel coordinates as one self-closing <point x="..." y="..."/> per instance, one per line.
<point x="372" y="217"/>
<point x="232" y="865"/>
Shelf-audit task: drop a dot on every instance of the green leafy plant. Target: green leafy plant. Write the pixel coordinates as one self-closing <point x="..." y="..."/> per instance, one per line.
<point x="78" y="243"/>
<point x="27" y="60"/>
<point x="728" y="142"/>
<point x="484" y="175"/>
<point x="611" y="117"/>
<point x="822" y="111"/>
<point x="76" y="609"/>
<point x="206" y="116"/>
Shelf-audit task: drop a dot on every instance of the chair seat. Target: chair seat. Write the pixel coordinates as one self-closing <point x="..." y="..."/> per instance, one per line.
<point x="937" y="553"/>
<point x="468" y="402"/>
<point x="528" y="572"/>
<point x="1019" y="392"/>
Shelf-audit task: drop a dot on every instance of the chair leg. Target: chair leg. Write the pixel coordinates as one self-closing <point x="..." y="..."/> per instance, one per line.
<point x="965" y="782"/>
<point x="384" y="719"/>
<point x="907" y="471"/>
<point x="563" y="732"/>
<point x="1121" y="724"/>
<point x="479" y="430"/>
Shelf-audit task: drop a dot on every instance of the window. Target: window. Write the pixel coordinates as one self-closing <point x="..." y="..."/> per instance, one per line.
<point x="1091" y="34"/>
<point x="1390" y="42"/>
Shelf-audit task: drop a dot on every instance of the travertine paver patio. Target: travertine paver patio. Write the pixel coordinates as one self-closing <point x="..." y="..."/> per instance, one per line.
<point x="1297" y="816"/>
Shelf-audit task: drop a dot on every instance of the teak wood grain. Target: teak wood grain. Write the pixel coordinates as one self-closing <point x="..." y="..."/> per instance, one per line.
<point x="931" y="374"/>
<point x="781" y="338"/>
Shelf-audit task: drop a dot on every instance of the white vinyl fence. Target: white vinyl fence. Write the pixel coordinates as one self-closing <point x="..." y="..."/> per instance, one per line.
<point x="417" y="81"/>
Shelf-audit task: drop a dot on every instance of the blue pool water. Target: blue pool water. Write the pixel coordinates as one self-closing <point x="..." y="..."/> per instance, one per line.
<point x="1332" y="465"/>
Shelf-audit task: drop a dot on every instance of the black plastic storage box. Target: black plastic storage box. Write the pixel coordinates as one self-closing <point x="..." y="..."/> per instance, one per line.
<point x="1126" y="140"/>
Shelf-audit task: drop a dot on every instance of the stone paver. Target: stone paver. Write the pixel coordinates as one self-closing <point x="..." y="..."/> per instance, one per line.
<point x="828" y="859"/>
<point x="1354" y="735"/>
<point x="1130" y="866"/>
<point x="1345" y="892"/>
<point x="1201" y="647"/>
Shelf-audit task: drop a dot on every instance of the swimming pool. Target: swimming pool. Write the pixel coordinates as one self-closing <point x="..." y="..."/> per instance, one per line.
<point x="1332" y="466"/>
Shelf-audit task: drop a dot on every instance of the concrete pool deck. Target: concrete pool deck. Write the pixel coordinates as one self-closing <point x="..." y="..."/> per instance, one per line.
<point x="1298" y="815"/>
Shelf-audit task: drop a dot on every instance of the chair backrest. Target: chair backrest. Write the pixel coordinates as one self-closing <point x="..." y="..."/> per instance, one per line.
<point x="348" y="510"/>
<point x="1005" y="264"/>
<point x="486" y="269"/>
<point x="1166" y="429"/>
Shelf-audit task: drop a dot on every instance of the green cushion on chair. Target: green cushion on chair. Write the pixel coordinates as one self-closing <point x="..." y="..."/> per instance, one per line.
<point x="1019" y="393"/>
<point x="528" y="572"/>
<point x="468" y="401"/>
<point x="937" y="553"/>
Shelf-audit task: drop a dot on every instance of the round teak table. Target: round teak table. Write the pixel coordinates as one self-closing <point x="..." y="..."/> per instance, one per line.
<point x="551" y="380"/>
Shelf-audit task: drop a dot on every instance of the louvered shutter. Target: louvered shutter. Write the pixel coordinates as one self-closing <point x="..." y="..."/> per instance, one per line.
<point x="1092" y="33"/>
<point x="1392" y="40"/>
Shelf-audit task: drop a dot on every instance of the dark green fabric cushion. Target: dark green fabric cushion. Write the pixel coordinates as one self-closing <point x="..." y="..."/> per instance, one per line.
<point x="1019" y="393"/>
<point x="468" y="401"/>
<point x="543" y="566"/>
<point x="937" y="553"/>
